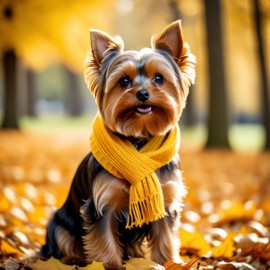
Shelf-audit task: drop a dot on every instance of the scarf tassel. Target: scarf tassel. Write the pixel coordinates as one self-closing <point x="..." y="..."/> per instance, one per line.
<point x="146" y="204"/>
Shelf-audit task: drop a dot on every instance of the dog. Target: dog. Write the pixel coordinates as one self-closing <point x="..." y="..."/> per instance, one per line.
<point x="140" y="95"/>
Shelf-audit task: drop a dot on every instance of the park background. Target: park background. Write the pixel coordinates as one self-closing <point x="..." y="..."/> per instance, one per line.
<point x="46" y="111"/>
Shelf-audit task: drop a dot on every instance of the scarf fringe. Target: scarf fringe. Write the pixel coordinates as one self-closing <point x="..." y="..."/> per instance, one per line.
<point x="146" y="211"/>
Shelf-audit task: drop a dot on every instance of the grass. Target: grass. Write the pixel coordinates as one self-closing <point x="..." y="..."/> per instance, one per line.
<point x="247" y="137"/>
<point x="242" y="137"/>
<point x="56" y="123"/>
<point x="193" y="137"/>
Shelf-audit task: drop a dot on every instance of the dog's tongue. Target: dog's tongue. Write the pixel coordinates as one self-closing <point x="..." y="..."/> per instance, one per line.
<point x="144" y="109"/>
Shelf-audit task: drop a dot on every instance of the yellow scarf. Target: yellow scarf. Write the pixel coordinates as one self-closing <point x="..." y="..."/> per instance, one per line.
<point x="121" y="159"/>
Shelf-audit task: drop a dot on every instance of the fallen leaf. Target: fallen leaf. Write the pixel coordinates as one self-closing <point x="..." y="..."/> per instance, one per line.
<point x="170" y="265"/>
<point x="252" y="244"/>
<point x="12" y="264"/>
<point x="7" y="250"/>
<point x="93" y="266"/>
<point x="51" y="264"/>
<point x="232" y="194"/>
<point x="225" y="250"/>
<point x="193" y="240"/>
<point x="259" y="228"/>
<point x="234" y="210"/>
<point x="235" y="266"/>
<point x="142" y="264"/>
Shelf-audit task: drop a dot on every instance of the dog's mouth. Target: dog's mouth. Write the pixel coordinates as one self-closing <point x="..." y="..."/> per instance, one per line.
<point x="144" y="109"/>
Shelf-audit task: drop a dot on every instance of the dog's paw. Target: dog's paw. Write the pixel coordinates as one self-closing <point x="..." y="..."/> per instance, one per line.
<point x="73" y="260"/>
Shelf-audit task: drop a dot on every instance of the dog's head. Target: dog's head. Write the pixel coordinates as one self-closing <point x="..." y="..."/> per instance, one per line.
<point x="140" y="94"/>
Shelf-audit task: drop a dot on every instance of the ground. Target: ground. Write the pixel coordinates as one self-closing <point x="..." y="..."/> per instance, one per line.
<point x="226" y="217"/>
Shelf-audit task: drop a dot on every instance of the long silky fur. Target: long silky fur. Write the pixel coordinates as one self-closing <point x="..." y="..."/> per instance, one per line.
<point x="91" y="223"/>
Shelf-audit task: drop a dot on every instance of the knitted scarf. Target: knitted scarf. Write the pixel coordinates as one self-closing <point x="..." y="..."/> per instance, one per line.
<point x="121" y="159"/>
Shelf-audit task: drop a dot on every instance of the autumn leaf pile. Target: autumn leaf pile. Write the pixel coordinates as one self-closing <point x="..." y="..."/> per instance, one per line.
<point x="225" y="222"/>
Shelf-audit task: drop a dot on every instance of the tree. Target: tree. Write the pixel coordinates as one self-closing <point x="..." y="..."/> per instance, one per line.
<point x="10" y="119"/>
<point x="217" y="114"/>
<point x="188" y="114"/>
<point x="31" y="92"/>
<point x="263" y="72"/>
<point x="57" y="34"/>
<point x="74" y="104"/>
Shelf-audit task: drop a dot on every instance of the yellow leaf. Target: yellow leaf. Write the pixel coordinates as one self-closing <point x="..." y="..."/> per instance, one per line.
<point x="51" y="264"/>
<point x="169" y="265"/>
<point x="94" y="266"/>
<point x="7" y="250"/>
<point x="5" y="204"/>
<point x="234" y="210"/>
<point x="225" y="250"/>
<point x="194" y="240"/>
<point x="235" y="266"/>
<point x="142" y="264"/>
<point x="54" y="264"/>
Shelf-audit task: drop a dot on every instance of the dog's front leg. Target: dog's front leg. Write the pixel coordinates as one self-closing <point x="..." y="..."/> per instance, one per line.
<point x="101" y="241"/>
<point x="101" y="223"/>
<point x="164" y="240"/>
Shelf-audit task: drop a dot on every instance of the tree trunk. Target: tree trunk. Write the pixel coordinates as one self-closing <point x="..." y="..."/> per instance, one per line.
<point x="10" y="118"/>
<point x="31" y="92"/>
<point x="263" y="73"/>
<point x="175" y="12"/>
<point x="217" y="114"/>
<point x="188" y="118"/>
<point x="74" y="103"/>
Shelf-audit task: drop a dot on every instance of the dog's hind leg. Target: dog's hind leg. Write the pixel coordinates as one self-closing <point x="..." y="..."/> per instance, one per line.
<point x="62" y="245"/>
<point x="70" y="247"/>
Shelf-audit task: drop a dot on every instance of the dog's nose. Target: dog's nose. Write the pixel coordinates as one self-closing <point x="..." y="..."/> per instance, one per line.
<point x="142" y="95"/>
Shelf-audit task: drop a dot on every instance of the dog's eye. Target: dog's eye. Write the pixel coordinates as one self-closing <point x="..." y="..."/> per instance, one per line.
<point x="158" y="79"/>
<point x="124" y="82"/>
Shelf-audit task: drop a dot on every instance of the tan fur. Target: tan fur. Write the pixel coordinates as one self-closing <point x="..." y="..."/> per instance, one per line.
<point x="103" y="247"/>
<point x="140" y="95"/>
<point x="165" y="99"/>
<point x="112" y="194"/>
<point x="106" y="65"/>
<point x="117" y="105"/>
<point x="67" y="243"/>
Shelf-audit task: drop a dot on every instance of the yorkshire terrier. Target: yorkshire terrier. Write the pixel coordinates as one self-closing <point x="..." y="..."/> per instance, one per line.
<point x="140" y="96"/>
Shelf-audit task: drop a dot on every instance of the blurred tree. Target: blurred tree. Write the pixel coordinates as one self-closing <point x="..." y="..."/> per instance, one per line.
<point x="74" y="99"/>
<point x="188" y="115"/>
<point x="10" y="119"/>
<point x="263" y="71"/>
<point x="175" y="12"/>
<point x="45" y="32"/>
<point x="31" y="92"/>
<point x="217" y="114"/>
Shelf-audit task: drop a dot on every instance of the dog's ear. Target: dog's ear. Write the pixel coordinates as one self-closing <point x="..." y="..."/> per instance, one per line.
<point x="102" y="44"/>
<point x="170" y="39"/>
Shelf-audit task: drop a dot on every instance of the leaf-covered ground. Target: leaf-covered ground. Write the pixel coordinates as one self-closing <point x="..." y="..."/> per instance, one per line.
<point x="226" y="218"/>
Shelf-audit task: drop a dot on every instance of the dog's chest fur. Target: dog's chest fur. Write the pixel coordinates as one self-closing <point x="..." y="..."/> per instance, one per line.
<point x="114" y="192"/>
<point x="107" y="209"/>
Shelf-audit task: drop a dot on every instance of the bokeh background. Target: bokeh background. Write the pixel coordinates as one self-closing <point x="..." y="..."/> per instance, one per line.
<point x="43" y="45"/>
<point x="46" y="113"/>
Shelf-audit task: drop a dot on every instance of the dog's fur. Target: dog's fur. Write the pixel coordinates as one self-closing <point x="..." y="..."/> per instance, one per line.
<point x="90" y="226"/>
